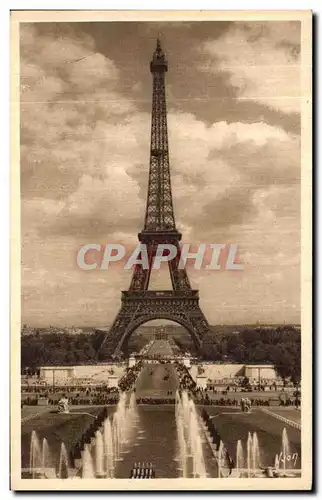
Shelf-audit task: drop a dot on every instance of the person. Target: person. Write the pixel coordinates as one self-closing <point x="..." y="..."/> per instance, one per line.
<point x="133" y="472"/>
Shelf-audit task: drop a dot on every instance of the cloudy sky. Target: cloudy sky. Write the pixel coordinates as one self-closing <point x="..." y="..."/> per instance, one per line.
<point x="233" y="94"/>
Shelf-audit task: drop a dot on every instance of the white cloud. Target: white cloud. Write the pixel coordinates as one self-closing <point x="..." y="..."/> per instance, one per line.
<point x="262" y="61"/>
<point x="85" y="159"/>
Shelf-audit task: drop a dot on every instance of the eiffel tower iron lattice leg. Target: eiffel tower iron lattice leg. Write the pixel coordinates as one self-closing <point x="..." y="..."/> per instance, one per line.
<point x="139" y="308"/>
<point x="139" y="304"/>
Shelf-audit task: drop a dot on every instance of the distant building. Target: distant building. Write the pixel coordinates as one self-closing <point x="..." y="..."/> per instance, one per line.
<point x="224" y="372"/>
<point x="260" y="372"/>
<point x="161" y="333"/>
<point x="105" y="373"/>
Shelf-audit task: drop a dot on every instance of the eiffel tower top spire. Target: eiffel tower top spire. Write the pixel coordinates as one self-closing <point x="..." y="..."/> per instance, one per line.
<point x="159" y="215"/>
<point x="158" y="63"/>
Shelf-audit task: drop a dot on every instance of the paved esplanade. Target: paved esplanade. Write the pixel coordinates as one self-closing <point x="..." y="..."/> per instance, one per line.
<point x="157" y="380"/>
<point x="160" y="347"/>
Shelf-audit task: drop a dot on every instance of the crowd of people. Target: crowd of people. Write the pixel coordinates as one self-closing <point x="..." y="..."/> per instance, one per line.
<point x="95" y="400"/>
<point x="84" y="392"/>
<point x="128" y="381"/>
<point x="145" y="471"/>
<point x="186" y="382"/>
<point x="42" y="389"/>
<point x="155" y="401"/>
<point x="253" y="401"/>
<point x="219" y="388"/>
<point x="145" y="349"/>
<point x="95" y="395"/>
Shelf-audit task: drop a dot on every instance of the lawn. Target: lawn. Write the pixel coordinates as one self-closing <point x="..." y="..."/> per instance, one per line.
<point x="56" y="428"/>
<point x="290" y="413"/>
<point x="232" y="425"/>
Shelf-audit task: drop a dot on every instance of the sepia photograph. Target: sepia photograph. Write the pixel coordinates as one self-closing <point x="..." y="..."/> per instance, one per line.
<point x="161" y="250"/>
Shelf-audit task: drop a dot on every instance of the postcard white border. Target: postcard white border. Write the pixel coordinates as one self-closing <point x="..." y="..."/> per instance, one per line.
<point x="303" y="483"/>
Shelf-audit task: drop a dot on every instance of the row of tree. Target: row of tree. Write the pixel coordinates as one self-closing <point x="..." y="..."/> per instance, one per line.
<point x="61" y="348"/>
<point x="279" y="346"/>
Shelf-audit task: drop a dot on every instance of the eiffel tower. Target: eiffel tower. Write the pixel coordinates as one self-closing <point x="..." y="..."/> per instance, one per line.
<point x="139" y="304"/>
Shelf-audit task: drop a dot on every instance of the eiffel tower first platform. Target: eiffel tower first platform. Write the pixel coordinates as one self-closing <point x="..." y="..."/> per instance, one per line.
<point x="139" y="304"/>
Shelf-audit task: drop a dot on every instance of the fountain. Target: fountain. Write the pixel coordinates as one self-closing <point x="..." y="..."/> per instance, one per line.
<point x="285" y="448"/>
<point x="41" y="463"/>
<point x="45" y="455"/>
<point x="249" y="454"/>
<point x="182" y="450"/>
<point x="196" y="444"/>
<point x="132" y="413"/>
<point x="253" y="455"/>
<point x="35" y="456"/>
<point x="123" y="422"/>
<point x="220" y="458"/>
<point x="63" y="467"/>
<point x="239" y="456"/>
<point x="284" y="462"/>
<point x="99" y="455"/>
<point x="115" y="437"/>
<point x="190" y="448"/>
<point x="286" y="454"/>
<point x="101" y="452"/>
<point x="108" y="448"/>
<point x="108" y="442"/>
<point x="255" y="452"/>
<point x="87" y="463"/>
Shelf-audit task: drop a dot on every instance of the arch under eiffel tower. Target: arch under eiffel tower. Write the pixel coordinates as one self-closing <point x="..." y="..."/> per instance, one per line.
<point x="139" y="304"/>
